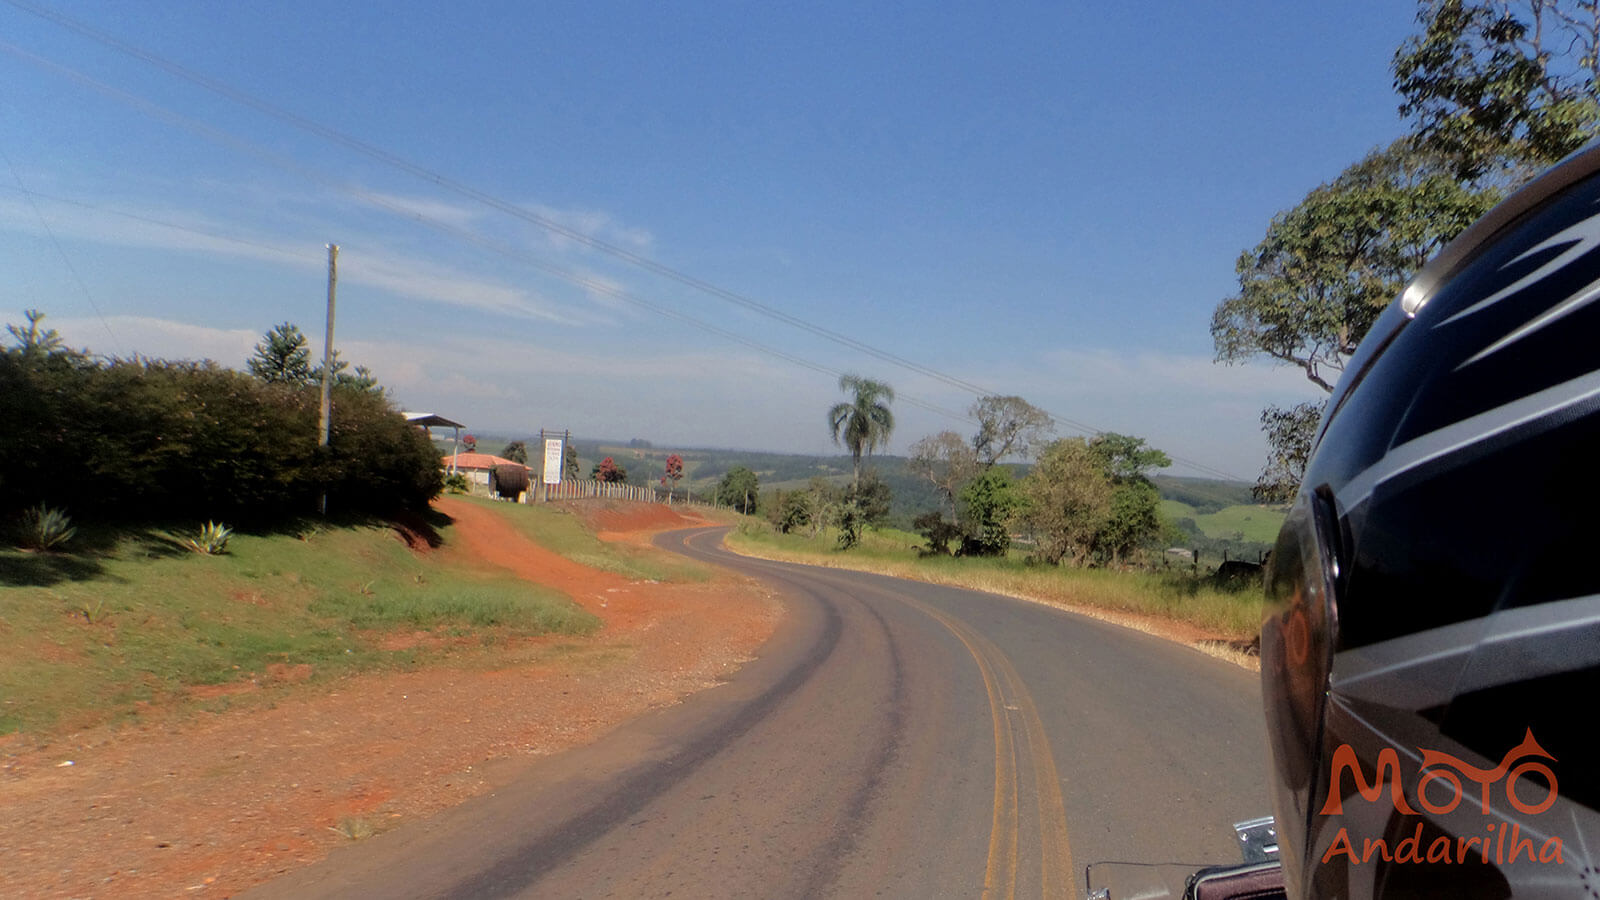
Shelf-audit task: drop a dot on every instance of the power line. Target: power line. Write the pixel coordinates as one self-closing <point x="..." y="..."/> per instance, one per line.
<point x="212" y="133"/>
<point x="637" y="260"/>
<point x="67" y="260"/>
<point x="188" y="229"/>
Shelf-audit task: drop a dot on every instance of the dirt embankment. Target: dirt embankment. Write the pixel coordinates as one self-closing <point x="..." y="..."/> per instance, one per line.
<point x="209" y="805"/>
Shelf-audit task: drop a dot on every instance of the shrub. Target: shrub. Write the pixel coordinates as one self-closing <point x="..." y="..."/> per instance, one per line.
<point x="212" y="540"/>
<point x="166" y="439"/>
<point x="938" y="531"/>
<point x="44" y="528"/>
<point x="456" y="483"/>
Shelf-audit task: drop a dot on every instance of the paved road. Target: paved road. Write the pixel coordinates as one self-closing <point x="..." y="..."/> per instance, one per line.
<point x="895" y="739"/>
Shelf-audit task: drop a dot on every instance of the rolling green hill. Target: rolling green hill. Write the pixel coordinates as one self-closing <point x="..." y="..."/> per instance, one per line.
<point x="1239" y="522"/>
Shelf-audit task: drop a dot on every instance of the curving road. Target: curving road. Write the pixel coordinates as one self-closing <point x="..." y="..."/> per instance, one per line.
<point x="895" y="739"/>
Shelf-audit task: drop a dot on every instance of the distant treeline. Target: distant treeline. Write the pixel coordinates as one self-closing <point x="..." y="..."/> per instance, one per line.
<point x="147" y="439"/>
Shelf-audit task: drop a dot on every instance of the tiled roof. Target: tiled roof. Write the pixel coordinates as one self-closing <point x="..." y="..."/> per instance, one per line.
<point x="477" y="461"/>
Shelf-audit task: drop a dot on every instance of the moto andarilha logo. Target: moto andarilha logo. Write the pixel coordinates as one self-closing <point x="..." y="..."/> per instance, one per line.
<point x="1529" y="787"/>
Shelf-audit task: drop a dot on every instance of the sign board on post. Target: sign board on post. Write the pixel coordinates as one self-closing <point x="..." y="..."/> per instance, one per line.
<point x="553" y="458"/>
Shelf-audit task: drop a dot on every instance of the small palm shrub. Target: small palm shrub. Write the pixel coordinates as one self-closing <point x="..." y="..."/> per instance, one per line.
<point x="212" y="540"/>
<point x="44" y="528"/>
<point x="456" y="483"/>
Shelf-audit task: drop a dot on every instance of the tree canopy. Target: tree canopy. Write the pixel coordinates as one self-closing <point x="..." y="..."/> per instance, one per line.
<point x="1501" y="89"/>
<point x="282" y="356"/>
<point x="740" y="489"/>
<point x="609" y="470"/>
<point x="1007" y="426"/>
<point x="946" y="461"/>
<point x="1313" y="286"/>
<point x="865" y="423"/>
<point x="177" y="438"/>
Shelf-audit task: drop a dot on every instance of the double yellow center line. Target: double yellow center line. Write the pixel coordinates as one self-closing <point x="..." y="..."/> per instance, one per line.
<point x="1013" y="711"/>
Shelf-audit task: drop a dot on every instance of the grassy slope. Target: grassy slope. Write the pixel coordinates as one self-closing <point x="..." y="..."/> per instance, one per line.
<point x="1232" y="614"/>
<point x="555" y="528"/>
<point x="1256" y="523"/>
<point x="86" y="638"/>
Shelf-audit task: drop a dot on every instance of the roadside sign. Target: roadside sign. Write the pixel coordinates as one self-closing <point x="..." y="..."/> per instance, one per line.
<point x="553" y="457"/>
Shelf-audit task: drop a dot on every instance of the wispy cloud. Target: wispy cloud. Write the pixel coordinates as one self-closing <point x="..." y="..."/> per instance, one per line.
<point x="590" y="223"/>
<point x="368" y="262"/>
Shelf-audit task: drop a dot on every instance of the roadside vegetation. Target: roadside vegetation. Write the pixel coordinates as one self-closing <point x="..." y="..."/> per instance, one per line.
<point x="159" y="543"/>
<point x="1232" y="611"/>
<point x="136" y="618"/>
<point x="1016" y="511"/>
<point x="1493" y="91"/>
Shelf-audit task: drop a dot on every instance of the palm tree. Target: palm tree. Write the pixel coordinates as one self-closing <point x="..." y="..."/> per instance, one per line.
<point x="864" y="424"/>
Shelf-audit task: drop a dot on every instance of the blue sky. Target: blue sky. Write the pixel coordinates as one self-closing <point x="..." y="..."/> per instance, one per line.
<point x="1040" y="199"/>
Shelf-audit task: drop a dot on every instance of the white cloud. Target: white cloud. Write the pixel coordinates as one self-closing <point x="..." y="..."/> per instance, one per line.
<point x="590" y="223"/>
<point x="366" y="262"/>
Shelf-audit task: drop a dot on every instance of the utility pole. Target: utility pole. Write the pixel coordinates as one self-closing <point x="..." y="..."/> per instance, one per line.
<point x="323" y="423"/>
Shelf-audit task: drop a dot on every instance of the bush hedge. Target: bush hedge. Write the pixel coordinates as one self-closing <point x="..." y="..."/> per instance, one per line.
<point x="147" y="439"/>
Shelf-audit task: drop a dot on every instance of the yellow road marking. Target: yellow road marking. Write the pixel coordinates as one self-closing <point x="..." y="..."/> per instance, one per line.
<point x="1000" y="876"/>
<point x="1000" y="680"/>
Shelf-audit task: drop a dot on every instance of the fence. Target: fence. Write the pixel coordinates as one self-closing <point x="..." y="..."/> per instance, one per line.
<point x="587" y="489"/>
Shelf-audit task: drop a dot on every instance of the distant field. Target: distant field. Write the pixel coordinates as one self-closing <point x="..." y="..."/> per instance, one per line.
<point x="1256" y="523"/>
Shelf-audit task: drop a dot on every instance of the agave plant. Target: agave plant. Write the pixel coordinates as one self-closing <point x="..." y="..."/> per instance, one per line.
<point x="212" y="540"/>
<point x="44" y="528"/>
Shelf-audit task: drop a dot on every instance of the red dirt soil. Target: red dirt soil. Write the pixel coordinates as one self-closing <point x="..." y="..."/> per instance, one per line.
<point x="208" y="804"/>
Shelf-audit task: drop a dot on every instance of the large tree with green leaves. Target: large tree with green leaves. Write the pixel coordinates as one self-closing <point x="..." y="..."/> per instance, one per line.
<point x="989" y="503"/>
<point x="865" y="422"/>
<point x="1313" y="286"/>
<point x="1310" y="290"/>
<point x="1134" y="517"/>
<point x="1501" y="89"/>
<point x="740" y="489"/>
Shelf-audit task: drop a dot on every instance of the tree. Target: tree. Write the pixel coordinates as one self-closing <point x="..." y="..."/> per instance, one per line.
<point x="863" y="424"/>
<point x="988" y="504"/>
<point x="470" y="441"/>
<point x="1312" y="288"/>
<point x="1134" y="516"/>
<point x="361" y="380"/>
<point x="1007" y="426"/>
<point x="866" y="502"/>
<point x="673" y="473"/>
<point x="1068" y="500"/>
<point x="516" y="451"/>
<point x="569" y="461"/>
<point x="1501" y="89"/>
<point x="282" y="357"/>
<point x="1126" y="458"/>
<point x="947" y="461"/>
<point x="608" y="470"/>
<point x="1289" y="433"/>
<point x="34" y="343"/>
<point x="740" y="489"/>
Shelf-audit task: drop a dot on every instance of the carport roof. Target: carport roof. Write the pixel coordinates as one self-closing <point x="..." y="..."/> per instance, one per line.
<point x="428" y="420"/>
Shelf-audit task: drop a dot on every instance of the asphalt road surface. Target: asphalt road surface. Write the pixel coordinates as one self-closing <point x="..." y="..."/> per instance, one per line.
<point x="895" y="739"/>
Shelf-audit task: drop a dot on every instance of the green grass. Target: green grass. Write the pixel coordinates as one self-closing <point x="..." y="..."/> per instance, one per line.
<point x="1257" y="523"/>
<point x="555" y="527"/>
<point x="88" y="639"/>
<point x="1178" y="596"/>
